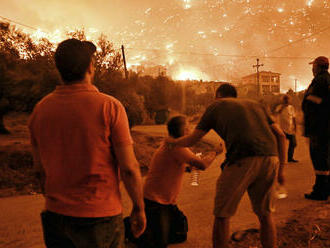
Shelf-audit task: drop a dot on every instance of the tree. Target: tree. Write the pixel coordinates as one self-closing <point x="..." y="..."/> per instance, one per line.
<point x="9" y="58"/>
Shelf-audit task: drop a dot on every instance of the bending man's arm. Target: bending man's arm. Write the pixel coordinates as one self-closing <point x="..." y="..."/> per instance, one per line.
<point x="188" y="140"/>
<point x="314" y="99"/>
<point x="131" y="175"/>
<point x="185" y="155"/>
<point x="280" y="136"/>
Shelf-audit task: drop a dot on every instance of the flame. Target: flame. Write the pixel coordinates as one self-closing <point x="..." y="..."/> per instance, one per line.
<point x="310" y="3"/>
<point x="190" y="74"/>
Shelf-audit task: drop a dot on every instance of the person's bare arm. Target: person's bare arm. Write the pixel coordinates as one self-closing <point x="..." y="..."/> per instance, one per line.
<point x="131" y="176"/>
<point x="280" y="136"/>
<point x="188" y="140"/>
<point x="194" y="160"/>
<point x="314" y="99"/>
<point x="197" y="163"/>
<point x="279" y="109"/>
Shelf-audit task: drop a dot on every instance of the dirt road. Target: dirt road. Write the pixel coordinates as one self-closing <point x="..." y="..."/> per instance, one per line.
<point x="20" y="222"/>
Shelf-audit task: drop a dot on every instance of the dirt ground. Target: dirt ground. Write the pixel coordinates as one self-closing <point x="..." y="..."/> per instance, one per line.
<point x="301" y="223"/>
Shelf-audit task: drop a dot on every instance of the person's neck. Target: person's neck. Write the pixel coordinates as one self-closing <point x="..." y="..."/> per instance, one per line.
<point x="83" y="81"/>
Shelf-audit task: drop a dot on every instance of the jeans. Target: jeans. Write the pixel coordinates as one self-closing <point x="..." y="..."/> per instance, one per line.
<point x="74" y="232"/>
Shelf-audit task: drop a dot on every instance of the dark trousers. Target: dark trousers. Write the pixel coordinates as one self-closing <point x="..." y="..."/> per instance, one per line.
<point x="292" y="144"/>
<point x="158" y="225"/>
<point x="319" y="150"/>
<point x="72" y="232"/>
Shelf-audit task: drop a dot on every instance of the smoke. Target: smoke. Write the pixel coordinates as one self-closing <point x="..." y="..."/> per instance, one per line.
<point x="202" y="35"/>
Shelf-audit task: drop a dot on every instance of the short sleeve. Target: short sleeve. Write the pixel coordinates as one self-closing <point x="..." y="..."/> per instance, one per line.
<point x="207" y="120"/>
<point x="277" y="109"/>
<point x="119" y="127"/>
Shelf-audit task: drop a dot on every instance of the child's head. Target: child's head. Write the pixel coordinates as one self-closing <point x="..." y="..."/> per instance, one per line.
<point x="176" y="126"/>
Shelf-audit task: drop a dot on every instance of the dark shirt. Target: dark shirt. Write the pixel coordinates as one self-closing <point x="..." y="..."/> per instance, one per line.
<point x="244" y="125"/>
<point x="316" y="116"/>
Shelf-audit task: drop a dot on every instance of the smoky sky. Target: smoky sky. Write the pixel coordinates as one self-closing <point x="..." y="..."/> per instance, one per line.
<point x="199" y="34"/>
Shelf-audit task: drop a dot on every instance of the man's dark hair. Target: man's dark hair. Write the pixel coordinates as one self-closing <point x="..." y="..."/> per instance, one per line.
<point x="72" y="58"/>
<point x="226" y="90"/>
<point x="174" y="124"/>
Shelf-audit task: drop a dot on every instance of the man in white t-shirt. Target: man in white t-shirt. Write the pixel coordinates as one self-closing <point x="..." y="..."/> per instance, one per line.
<point x="287" y="119"/>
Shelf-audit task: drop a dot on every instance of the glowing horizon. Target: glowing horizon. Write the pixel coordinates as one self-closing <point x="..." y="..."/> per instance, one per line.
<point x="199" y="34"/>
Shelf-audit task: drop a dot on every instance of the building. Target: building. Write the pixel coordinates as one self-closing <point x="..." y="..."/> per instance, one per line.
<point x="269" y="83"/>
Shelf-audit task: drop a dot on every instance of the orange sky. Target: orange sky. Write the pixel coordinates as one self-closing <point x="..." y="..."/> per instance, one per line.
<point x="197" y="35"/>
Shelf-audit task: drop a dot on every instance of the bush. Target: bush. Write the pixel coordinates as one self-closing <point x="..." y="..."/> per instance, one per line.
<point x="28" y="73"/>
<point x="161" y="116"/>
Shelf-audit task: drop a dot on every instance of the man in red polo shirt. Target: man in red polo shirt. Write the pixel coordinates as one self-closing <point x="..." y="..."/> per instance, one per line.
<point x="81" y="140"/>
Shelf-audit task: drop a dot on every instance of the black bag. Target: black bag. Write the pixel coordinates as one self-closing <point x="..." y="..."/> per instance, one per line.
<point x="177" y="233"/>
<point x="179" y="226"/>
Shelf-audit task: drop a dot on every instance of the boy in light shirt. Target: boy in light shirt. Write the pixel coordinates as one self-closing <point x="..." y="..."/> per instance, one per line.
<point x="163" y="185"/>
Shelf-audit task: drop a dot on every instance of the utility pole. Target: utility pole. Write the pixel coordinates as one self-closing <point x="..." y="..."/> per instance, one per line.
<point x="183" y="97"/>
<point x="295" y="85"/>
<point x="258" y="83"/>
<point x="124" y="59"/>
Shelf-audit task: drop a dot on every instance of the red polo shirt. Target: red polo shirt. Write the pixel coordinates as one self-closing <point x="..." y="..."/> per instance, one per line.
<point x="74" y="130"/>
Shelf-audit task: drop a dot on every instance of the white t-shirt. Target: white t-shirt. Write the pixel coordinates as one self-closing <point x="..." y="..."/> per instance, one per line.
<point x="286" y="118"/>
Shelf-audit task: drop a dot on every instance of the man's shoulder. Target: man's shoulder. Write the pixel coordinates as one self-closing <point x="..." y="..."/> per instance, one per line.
<point x="322" y="78"/>
<point x="109" y="99"/>
<point x="232" y="101"/>
<point x="45" y="100"/>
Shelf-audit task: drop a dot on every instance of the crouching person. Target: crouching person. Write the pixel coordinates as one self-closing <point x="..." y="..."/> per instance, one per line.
<point x="165" y="222"/>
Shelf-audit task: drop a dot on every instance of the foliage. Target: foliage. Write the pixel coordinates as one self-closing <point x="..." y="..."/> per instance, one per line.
<point x="161" y="116"/>
<point x="28" y="73"/>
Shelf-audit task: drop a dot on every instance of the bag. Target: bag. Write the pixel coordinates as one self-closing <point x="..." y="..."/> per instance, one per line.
<point x="179" y="226"/>
<point x="177" y="233"/>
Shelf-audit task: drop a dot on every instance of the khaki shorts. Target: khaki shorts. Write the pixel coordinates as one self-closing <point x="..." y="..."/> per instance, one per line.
<point x="257" y="175"/>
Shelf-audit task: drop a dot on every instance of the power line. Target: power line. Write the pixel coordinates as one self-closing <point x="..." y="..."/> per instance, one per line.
<point x="216" y="55"/>
<point x="18" y="23"/>
<point x="301" y="39"/>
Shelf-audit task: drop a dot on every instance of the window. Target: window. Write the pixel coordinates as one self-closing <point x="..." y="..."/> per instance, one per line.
<point x="265" y="79"/>
<point x="275" y="88"/>
<point x="275" y="79"/>
<point x="265" y="88"/>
